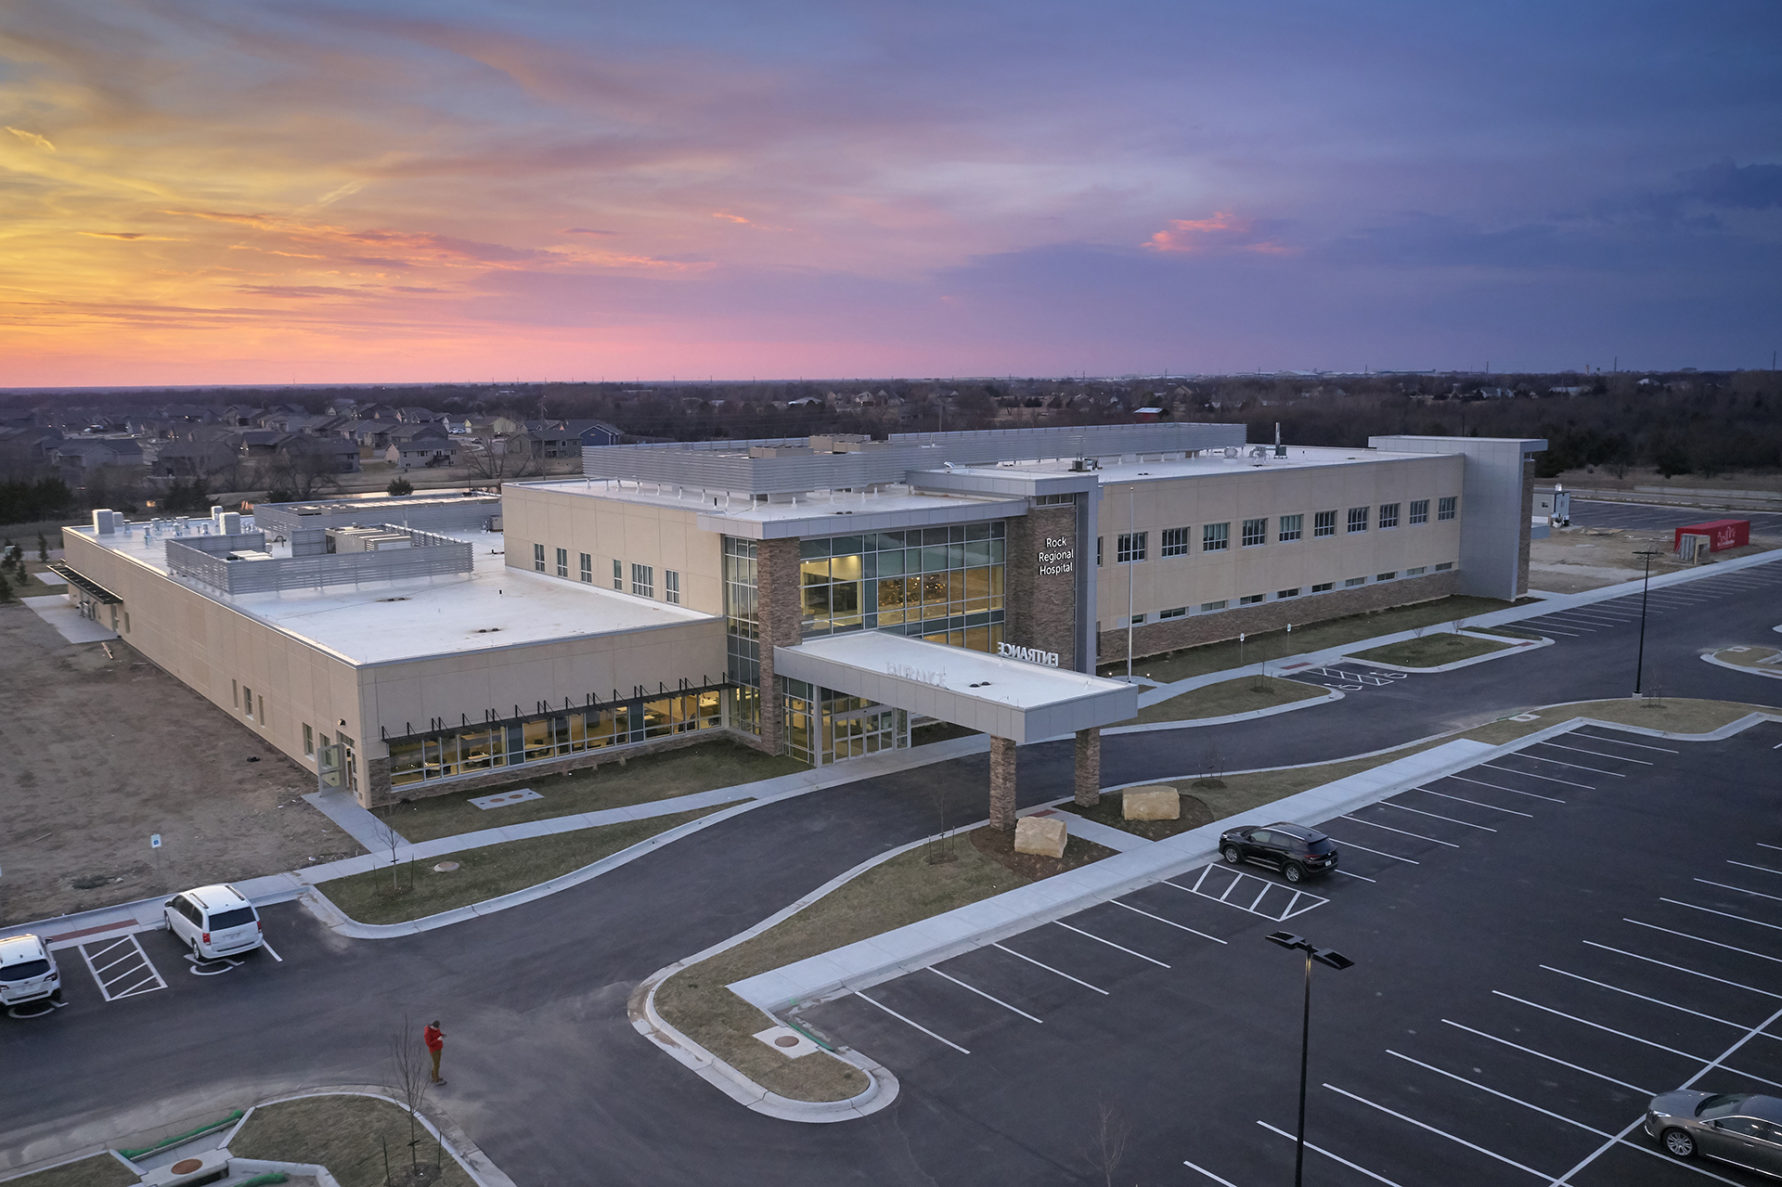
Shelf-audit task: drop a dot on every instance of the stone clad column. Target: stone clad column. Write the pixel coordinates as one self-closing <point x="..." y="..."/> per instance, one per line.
<point x="1002" y="784"/>
<point x="780" y="611"/>
<point x="1087" y="779"/>
<point x="1040" y="607"/>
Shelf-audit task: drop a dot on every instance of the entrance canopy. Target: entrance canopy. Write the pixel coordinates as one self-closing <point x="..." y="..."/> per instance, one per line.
<point x="1006" y="698"/>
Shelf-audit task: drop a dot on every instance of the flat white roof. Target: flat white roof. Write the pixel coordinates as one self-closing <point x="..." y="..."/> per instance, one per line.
<point x="1166" y="466"/>
<point x="380" y="622"/>
<point x="1008" y="698"/>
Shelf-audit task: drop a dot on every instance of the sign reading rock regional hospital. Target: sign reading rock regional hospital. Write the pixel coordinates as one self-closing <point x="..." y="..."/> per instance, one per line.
<point x="1032" y="655"/>
<point x="1060" y="556"/>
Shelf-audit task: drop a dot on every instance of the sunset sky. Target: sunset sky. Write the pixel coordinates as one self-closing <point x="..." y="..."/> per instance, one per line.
<point x="388" y="191"/>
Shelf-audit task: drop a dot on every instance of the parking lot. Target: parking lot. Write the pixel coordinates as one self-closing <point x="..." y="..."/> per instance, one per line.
<point x="1541" y="943"/>
<point x="1624" y="611"/>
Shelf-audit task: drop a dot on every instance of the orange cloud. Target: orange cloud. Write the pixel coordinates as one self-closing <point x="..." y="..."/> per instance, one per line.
<point x="32" y="138"/>
<point x="728" y="217"/>
<point x="1223" y="231"/>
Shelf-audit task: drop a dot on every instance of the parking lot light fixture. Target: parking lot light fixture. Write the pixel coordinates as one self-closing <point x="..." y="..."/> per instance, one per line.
<point x="1645" y="584"/>
<point x="1330" y="958"/>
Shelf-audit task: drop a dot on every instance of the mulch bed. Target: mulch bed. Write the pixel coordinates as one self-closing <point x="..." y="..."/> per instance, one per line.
<point x="1000" y="846"/>
<point x="1194" y="814"/>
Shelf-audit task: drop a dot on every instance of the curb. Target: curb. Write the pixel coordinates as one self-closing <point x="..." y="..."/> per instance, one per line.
<point x="1331" y="694"/>
<point x="467" y="1154"/>
<point x="1513" y="647"/>
<point x="1708" y="657"/>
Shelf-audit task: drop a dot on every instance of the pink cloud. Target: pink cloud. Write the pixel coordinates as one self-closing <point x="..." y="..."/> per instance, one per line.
<point x="1224" y="231"/>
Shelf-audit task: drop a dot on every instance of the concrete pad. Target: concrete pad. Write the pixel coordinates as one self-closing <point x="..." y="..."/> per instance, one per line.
<point x="67" y="621"/>
<point x="1042" y="835"/>
<point x="1150" y="803"/>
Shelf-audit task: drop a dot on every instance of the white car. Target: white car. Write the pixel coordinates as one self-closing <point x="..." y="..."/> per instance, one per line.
<point x="28" y="972"/>
<point x="213" y="921"/>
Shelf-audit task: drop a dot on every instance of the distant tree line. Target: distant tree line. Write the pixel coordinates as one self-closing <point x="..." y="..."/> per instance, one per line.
<point x="29" y="501"/>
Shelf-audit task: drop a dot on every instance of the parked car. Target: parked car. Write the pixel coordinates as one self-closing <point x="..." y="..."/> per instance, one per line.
<point x="1743" y="1128"/>
<point x="1299" y="853"/>
<point x="28" y="971"/>
<point x="213" y="921"/>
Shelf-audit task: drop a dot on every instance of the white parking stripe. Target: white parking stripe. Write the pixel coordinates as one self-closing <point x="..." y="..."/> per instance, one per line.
<point x="985" y="996"/>
<point x="1377" y="852"/>
<point x="1347" y="874"/>
<point x="1475" y="803"/>
<point x="1595" y="1025"/>
<point x="1316" y="1149"/>
<point x="1209" y="1174"/>
<point x="1400" y="831"/>
<point x="1038" y="964"/>
<point x="1435" y="816"/>
<point x="1623" y="742"/>
<point x="1515" y="1100"/>
<point x="1545" y="629"/>
<point x="136" y="987"/>
<point x="1533" y="795"/>
<point x="1723" y="914"/>
<point x="1574" y="766"/>
<point x="1682" y="969"/>
<point x="917" y="1025"/>
<point x="1703" y="940"/>
<point x="1543" y="778"/>
<point x="1775" y="898"/>
<point x="1549" y="1058"/>
<point x="1655" y="1001"/>
<point x="1645" y="762"/>
<point x="138" y="970"/>
<point x="1438" y="1132"/>
<point x="1109" y="943"/>
<point x="1203" y="935"/>
<point x="269" y="948"/>
<point x="1766" y="844"/>
<point x="1749" y="866"/>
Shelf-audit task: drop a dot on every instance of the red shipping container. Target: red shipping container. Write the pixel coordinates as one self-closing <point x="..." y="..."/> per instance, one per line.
<point x="1721" y="533"/>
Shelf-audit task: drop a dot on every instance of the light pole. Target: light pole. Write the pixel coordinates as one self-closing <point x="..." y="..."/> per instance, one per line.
<point x="1335" y="960"/>
<point x="1131" y="559"/>
<point x="1645" y="582"/>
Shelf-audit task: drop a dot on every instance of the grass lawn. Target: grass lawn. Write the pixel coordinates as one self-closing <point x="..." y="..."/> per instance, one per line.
<point x="1755" y="656"/>
<point x="1431" y="651"/>
<point x="913" y="885"/>
<point x="489" y="871"/>
<point x="101" y="1170"/>
<point x="1678" y="715"/>
<point x="646" y="778"/>
<point x="1243" y="695"/>
<point x="346" y="1134"/>
<point x="1216" y="657"/>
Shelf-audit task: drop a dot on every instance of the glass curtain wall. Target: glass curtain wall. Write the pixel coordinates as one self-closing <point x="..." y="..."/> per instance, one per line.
<point x="742" y="633"/>
<point x="941" y="584"/>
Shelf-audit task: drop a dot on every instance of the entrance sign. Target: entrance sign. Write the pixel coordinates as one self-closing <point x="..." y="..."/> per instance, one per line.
<point x="1032" y="655"/>
<point x="1060" y="556"/>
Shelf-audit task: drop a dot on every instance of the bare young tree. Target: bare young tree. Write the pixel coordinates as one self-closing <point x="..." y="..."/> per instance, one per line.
<point x="411" y="1074"/>
<point x="1107" y="1143"/>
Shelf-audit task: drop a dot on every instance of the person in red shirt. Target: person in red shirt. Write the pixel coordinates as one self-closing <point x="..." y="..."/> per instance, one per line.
<point x="435" y="1040"/>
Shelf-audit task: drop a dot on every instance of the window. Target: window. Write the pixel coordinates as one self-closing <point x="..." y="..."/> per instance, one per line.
<point x="1138" y="620"/>
<point x="1385" y="576"/>
<point x="643" y="580"/>
<point x="1388" y="515"/>
<point x="563" y="562"/>
<point x="1128" y="549"/>
<point x="1323" y="587"/>
<point x="1215" y="537"/>
<point x="1178" y="612"/>
<point x="1175" y="541"/>
<point x="235" y="694"/>
<point x="1419" y="571"/>
<point x="1444" y="566"/>
<point x="1446" y="508"/>
<point x="1290" y="528"/>
<point x="309" y="740"/>
<point x="1419" y="511"/>
<point x="587" y="569"/>
<point x="1255" y="532"/>
<point x="1358" y="519"/>
<point x="263" y="711"/>
<point x="247" y="699"/>
<point x="671" y="586"/>
<point x="1209" y="607"/>
<point x="1249" y="599"/>
<point x="1288" y="593"/>
<point x="538" y="558"/>
<point x="1324" y="524"/>
<point x="1352" y="582"/>
<point x="1098" y="552"/>
<point x="618" y="574"/>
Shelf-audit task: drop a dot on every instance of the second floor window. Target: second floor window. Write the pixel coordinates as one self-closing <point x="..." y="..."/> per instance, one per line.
<point x="1131" y="548"/>
<point x="1255" y="532"/>
<point x="643" y="580"/>
<point x="1215" y="537"/>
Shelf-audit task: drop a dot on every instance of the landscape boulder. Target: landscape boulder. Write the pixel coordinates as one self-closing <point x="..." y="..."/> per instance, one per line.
<point x="1043" y="835"/>
<point x="1151" y="803"/>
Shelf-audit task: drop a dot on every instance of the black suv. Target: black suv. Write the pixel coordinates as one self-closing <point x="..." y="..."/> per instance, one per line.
<point x="1297" y="852"/>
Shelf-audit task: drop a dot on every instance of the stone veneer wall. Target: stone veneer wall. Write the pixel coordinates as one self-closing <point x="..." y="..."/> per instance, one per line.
<point x="780" y="608"/>
<point x="1528" y="491"/>
<point x="379" y="792"/>
<point x="1040" y="610"/>
<point x="1155" y="638"/>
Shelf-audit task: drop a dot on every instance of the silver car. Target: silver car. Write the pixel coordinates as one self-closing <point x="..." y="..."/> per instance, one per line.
<point x="1737" y="1127"/>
